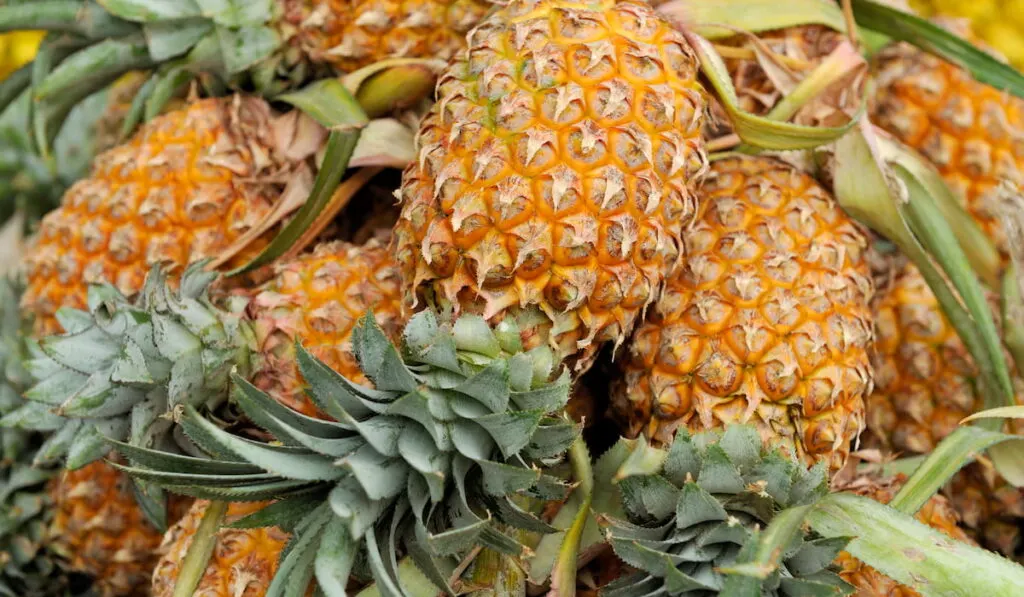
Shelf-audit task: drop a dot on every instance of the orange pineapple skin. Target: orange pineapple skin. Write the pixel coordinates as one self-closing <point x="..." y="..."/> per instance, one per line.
<point x="101" y="531"/>
<point x="185" y="187"/>
<point x="350" y="34"/>
<point x="317" y="298"/>
<point x="242" y="563"/>
<point x="556" y="171"/>
<point x="768" y="323"/>
<point x="936" y="513"/>
<point x="925" y="384"/>
<point x="973" y="133"/>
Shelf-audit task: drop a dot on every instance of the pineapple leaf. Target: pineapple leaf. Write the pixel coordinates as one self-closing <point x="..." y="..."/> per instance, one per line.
<point x="300" y="465"/>
<point x="903" y="26"/>
<point x="330" y="104"/>
<point x="159" y="459"/>
<point x="952" y="453"/>
<point x="297" y="560"/>
<point x="884" y="537"/>
<point x="143" y="11"/>
<point x="335" y="556"/>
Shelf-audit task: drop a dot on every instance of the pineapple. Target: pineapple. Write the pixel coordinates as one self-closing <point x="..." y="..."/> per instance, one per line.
<point x="936" y="513"/>
<point x="925" y="384"/>
<point x="187" y="186"/>
<point x="556" y="172"/>
<point x="243" y="562"/>
<point x="317" y="299"/>
<point x="98" y="528"/>
<point x="971" y="132"/>
<point x="768" y="322"/>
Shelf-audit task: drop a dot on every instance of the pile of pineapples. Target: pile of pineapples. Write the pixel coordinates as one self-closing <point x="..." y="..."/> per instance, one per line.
<point x="552" y="297"/>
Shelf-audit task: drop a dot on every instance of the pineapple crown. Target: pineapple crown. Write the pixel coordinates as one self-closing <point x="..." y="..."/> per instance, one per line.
<point x="109" y="38"/>
<point x="123" y="366"/>
<point x="447" y="444"/>
<point x="694" y="528"/>
<point x="26" y="568"/>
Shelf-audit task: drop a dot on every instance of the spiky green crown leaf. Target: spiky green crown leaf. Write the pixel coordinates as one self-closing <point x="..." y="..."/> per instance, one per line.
<point x="696" y="527"/>
<point x="125" y="365"/>
<point x="27" y="569"/>
<point x="454" y="433"/>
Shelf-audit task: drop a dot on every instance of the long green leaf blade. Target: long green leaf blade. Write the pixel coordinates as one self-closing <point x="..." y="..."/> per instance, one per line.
<point x="912" y="553"/>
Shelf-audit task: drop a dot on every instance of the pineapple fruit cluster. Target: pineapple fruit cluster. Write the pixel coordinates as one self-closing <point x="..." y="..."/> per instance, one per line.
<point x="207" y="390"/>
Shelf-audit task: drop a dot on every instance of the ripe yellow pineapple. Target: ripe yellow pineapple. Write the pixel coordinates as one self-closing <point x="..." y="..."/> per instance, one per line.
<point x="556" y="172"/>
<point x="186" y="186"/>
<point x="318" y="298"/>
<point x="767" y="323"/>
<point x="936" y="513"/>
<point x="100" y="531"/>
<point x="970" y="131"/>
<point x="243" y="561"/>
<point x="925" y="384"/>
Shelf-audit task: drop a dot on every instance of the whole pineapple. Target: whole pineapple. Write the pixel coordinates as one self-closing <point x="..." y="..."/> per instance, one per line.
<point x="243" y="561"/>
<point x="768" y="322"/>
<point x="186" y="186"/>
<point x="971" y="132"/>
<point x="925" y="384"/>
<point x="556" y="172"/>
<point x="936" y="513"/>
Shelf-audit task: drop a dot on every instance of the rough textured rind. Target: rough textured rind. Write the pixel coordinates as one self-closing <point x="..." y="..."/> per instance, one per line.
<point x="100" y="530"/>
<point x="349" y="34"/>
<point x="556" y="170"/>
<point x="768" y="322"/>
<point x="184" y="188"/>
<point x="317" y="299"/>
<point x="973" y="133"/>
<point x="242" y="564"/>
<point x="936" y="513"/>
<point x="925" y="384"/>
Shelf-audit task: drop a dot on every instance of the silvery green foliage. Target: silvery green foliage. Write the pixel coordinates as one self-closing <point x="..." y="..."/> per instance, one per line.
<point x="124" y="365"/>
<point x="695" y="528"/>
<point x="454" y="433"/>
<point x="26" y="568"/>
